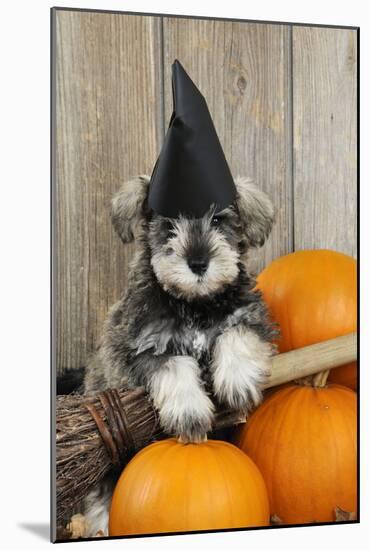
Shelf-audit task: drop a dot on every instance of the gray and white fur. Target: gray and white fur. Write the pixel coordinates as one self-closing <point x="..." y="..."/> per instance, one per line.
<point x="190" y="328"/>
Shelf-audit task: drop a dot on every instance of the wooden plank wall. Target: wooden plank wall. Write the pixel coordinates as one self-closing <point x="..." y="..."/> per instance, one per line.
<point x="108" y="128"/>
<point x="283" y="100"/>
<point x="324" y="138"/>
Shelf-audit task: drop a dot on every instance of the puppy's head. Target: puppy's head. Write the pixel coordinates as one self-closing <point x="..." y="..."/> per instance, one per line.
<point x="195" y="257"/>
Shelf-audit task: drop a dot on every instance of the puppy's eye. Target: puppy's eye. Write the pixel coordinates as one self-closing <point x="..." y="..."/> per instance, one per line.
<point x="168" y="225"/>
<point x="215" y="222"/>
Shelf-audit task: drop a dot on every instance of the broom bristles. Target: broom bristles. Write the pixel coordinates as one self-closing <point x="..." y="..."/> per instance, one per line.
<point x="81" y="457"/>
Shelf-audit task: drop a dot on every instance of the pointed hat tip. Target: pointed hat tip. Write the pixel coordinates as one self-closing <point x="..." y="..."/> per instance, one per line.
<point x="183" y="84"/>
<point x="177" y="65"/>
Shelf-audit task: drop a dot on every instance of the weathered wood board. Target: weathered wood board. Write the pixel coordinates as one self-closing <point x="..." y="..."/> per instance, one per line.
<point x="108" y="128"/>
<point x="283" y="100"/>
<point x="325" y="131"/>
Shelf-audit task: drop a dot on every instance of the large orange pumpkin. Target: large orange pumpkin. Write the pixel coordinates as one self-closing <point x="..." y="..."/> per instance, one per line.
<point x="312" y="295"/>
<point x="169" y="486"/>
<point x="303" y="440"/>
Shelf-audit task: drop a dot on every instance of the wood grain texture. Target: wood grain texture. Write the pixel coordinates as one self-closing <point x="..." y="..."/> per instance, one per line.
<point x="243" y="71"/>
<point x="108" y="128"/>
<point x="325" y="163"/>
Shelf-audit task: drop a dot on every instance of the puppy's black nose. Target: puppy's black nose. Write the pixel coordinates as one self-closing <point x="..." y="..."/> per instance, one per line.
<point x="198" y="265"/>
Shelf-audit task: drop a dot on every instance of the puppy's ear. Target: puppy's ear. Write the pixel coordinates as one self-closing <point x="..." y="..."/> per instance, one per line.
<point x="256" y="211"/>
<point x="127" y="207"/>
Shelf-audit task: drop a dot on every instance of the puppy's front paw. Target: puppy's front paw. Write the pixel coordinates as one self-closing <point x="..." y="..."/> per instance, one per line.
<point x="184" y="408"/>
<point x="239" y="393"/>
<point x="188" y="417"/>
<point x="240" y="367"/>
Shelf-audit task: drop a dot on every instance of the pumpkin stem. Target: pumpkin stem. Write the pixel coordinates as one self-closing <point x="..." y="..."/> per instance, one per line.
<point x="318" y="380"/>
<point x="343" y="515"/>
<point x="275" y="520"/>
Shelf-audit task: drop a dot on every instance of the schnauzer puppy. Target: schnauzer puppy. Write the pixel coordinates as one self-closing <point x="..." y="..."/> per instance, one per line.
<point x="191" y="328"/>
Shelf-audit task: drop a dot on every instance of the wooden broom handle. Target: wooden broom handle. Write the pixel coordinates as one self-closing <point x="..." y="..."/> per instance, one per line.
<point x="298" y="363"/>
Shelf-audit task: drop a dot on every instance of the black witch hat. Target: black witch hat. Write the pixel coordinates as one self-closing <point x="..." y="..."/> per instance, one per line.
<point x="191" y="173"/>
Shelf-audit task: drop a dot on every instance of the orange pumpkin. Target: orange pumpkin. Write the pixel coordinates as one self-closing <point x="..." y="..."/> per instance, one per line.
<point x="345" y="375"/>
<point x="312" y="295"/>
<point x="169" y="486"/>
<point x="303" y="440"/>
